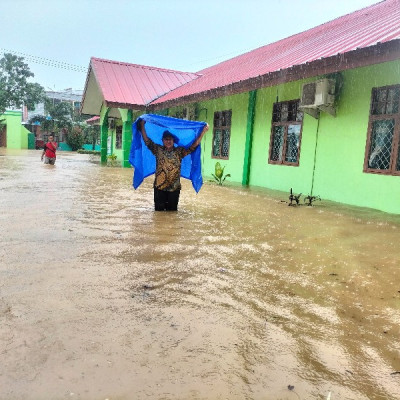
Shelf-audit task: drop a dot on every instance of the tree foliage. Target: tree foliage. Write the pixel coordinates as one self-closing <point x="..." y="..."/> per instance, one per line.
<point x="58" y="116"/>
<point x="15" y="90"/>
<point x="92" y="134"/>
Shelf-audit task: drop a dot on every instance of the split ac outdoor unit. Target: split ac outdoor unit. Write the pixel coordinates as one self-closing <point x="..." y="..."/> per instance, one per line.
<point x="318" y="96"/>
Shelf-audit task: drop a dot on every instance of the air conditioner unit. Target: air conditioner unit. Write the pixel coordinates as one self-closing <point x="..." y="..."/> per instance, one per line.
<point x="111" y="123"/>
<point x="318" y="96"/>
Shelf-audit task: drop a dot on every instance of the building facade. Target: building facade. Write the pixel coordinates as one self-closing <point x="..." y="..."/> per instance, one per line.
<point x="318" y="112"/>
<point x="13" y="135"/>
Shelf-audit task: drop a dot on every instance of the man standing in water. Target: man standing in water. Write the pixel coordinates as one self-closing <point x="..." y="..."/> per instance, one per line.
<point x="167" y="185"/>
<point x="49" y="151"/>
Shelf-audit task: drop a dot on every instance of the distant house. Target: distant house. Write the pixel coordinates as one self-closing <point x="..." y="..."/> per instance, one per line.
<point x="13" y="135"/>
<point x="67" y="95"/>
<point x="318" y="112"/>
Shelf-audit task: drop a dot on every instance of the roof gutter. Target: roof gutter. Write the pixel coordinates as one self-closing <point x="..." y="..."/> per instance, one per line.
<point x="379" y="53"/>
<point x="112" y="104"/>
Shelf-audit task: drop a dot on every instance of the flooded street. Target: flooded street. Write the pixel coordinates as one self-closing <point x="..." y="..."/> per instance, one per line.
<point x="236" y="296"/>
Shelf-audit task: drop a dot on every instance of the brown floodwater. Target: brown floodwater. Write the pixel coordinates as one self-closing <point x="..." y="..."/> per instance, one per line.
<point x="235" y="296"/>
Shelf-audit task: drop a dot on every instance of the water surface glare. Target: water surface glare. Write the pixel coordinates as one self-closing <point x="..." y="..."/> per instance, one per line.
<point x="235" y="296"/>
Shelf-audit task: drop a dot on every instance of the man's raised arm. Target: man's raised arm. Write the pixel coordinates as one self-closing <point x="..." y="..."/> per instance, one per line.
<point x="142" y="130"/>
<point x="198" y="140"/>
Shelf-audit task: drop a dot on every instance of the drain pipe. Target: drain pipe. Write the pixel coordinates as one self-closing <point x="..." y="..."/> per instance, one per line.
<point x="249" y="137"/>
<point x="315" y="158"/>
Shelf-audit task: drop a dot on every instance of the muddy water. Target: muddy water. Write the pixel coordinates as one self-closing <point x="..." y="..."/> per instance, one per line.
<point x="236" y="296"/>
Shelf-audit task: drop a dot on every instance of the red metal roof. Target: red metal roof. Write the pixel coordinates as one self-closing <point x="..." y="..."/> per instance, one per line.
<point x="93" y="120"/>
<point x="124" y="84"/>
<point x="363" y="28"/>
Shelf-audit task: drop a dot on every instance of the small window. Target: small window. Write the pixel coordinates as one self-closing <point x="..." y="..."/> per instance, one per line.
<point x="221" y="134"/>
<point x="383" y="149"/>
<point x="118" y="137"/>
<point x="287" y="122"/>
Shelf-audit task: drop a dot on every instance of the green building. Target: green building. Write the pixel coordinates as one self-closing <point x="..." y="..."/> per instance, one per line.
<point x="318" y="112"/>
<point x="13" y="134"/>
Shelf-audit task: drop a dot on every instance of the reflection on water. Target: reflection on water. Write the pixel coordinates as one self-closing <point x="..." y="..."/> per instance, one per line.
<point x="236" y="296"/>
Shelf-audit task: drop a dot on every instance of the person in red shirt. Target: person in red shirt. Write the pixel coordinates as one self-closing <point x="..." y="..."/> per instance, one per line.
<point x="49" y="151"/>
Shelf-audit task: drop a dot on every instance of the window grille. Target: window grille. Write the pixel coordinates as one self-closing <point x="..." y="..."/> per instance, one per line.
<point x="287" y="121"/>
<point x="383" y="149"/>
<point x="221" y="134"/>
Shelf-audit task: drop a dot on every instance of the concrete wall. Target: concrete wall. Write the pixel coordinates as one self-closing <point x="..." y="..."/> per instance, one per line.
<point x="17" y="134"/>
<point x="334" y="146"/>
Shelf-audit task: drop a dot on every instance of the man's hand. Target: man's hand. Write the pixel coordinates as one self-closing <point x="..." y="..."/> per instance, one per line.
<point x="198" y="140"/>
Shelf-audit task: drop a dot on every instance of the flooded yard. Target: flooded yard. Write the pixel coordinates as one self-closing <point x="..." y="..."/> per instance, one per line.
<point x="235" y="296"/>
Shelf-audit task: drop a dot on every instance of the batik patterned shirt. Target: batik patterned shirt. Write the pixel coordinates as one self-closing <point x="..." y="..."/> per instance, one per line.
<point x="168" y="165"/>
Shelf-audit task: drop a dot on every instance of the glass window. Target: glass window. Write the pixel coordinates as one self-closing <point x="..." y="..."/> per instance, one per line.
<point x="286" y="133"/>
<point x="382" y="150"/>
<point x="221" y="134"/>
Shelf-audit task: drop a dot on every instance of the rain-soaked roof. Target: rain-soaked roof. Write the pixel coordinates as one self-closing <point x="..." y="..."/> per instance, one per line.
<point x="134" y="86"/>
<point x="360" y="29"/>
<point x="94" y="120"/>
<point x="131" y="85"/>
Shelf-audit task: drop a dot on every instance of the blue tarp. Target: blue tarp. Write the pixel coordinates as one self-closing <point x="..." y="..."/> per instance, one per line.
<point x="186" y="132"/>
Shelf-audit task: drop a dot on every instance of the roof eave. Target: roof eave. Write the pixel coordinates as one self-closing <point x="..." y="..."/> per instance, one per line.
<point x="129" y="106"/>
<point x="381" y="52"/>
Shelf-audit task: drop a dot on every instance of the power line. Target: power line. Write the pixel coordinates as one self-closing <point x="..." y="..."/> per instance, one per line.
<point x="47" y="61"/>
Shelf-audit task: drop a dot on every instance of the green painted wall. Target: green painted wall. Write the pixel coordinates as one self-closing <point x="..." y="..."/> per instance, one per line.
<point x="340" y="147"/>
<point x="17" y="134"/>
<point x="332" y="148"/>
<point x="24" y="137"/>
<point x="280" y="177"/>
<point x="125" y="121"/>
<point x="31" y="141"/>
<point x="234" y="166"/>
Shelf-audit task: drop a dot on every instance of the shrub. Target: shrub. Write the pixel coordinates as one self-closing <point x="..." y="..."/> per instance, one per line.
<point x="94" y="152"/>
<point x="219" y="174"/>
<point x="112" y="160"/>
<point x="75" y="138"/>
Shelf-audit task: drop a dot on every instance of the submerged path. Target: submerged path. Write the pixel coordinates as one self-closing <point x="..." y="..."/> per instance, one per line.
<point x="236" y="296"/>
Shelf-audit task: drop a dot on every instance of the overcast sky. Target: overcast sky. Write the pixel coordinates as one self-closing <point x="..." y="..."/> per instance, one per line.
<point x="183" y="35"/>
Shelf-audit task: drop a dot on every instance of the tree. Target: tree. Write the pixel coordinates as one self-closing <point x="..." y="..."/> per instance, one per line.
<point x="15" y="90"/>
<point x="58" y="116"/>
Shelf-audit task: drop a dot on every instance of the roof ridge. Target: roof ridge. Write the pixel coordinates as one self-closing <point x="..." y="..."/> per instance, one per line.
<point x="297" y="34"/>
<point x="143" y="66"/>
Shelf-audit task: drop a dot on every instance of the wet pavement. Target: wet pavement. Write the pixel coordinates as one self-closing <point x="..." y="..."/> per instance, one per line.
<point x="235" y="296"/>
